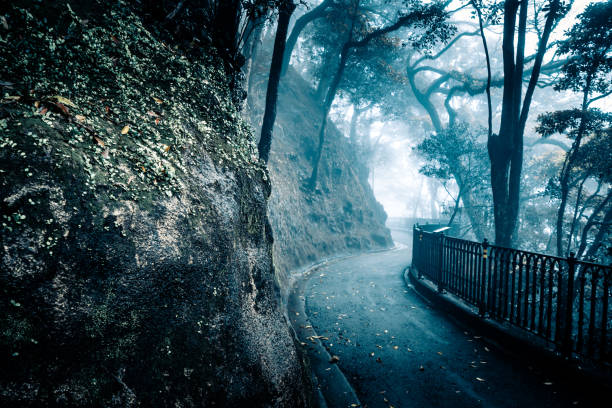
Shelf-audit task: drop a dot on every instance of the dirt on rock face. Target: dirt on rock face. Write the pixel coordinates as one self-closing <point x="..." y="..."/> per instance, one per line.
<point x="135" y="250"/>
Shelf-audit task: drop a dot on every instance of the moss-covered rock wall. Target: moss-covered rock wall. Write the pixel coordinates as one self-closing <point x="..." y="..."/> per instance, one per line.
<point x="135" y="252"/>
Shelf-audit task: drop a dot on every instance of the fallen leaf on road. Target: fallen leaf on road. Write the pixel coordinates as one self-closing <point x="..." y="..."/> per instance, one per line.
<point x="125" y="129"/>
<point x="334" y="359"/>
<point x="395" y="347"/>
<point x="372" y="354"/>
<point x="439" y="353"/>
<point x="421" y="368"/>
<point x="480" y="379"/>
<point x="548" y="383"/>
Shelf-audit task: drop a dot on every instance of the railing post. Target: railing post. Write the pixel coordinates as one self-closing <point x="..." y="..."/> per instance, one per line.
<point x="483" y="280"/>
<point x="440" y="262"/>
<point x="567" y="339"/>
<point x="419" y="265"/>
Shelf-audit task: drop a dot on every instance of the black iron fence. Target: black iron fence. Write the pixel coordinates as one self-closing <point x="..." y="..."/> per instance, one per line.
<point x="563" y="300"/>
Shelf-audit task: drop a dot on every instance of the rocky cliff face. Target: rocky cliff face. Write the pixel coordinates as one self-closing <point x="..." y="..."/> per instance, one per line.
<point x="342" y="216"/>
<point x="136" y="255"/>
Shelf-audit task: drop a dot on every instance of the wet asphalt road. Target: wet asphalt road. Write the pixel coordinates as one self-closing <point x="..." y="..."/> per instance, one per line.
<point x="396" y="350"/>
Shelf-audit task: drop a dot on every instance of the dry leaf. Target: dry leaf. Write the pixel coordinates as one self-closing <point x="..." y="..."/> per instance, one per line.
<point x="115" y="40"/>
<point x="143" y="169"/>
<point x="43" y="111"/>
<point x="107" y="109"/>
<point x="486" y="349"/>
<point x="480" y="379"/>
<point x="64" y="101"/>
<point x="4" y="22"/>
<point x="151" y="113"/>
<point x="166" y="148"/>
<point x="334" y="359"/>
<point x="439" y="353"/>
<point x="157" y="100"/>
<point x="80" y="118"/>
<point x="37" y="104"/>
<point x="125" y="129"/>
<point x="395" y="347"/>
<point x="99" y="141"/>
<point x="157" y="120"/>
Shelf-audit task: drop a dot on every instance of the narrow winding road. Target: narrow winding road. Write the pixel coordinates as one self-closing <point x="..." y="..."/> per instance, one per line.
<point x="396" y="350"/>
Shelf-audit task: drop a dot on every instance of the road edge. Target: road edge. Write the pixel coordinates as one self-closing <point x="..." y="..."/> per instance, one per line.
<point x="333" y="389"/>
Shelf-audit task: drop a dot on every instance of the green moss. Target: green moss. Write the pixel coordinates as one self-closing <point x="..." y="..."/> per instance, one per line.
<point x="114" y="75"/>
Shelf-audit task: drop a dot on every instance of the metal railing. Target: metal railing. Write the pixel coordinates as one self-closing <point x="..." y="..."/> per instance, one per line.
<point x="563" y="300"/>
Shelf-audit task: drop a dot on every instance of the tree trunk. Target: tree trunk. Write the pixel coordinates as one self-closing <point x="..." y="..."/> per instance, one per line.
<point x="506" y="149"/>
<point x="265" y="142"/>
<point x="329" y="99"/>
<point x="353" y="128"/>
<point x="300" y="24"/>
<point x="568" y="166"/>
<point x="252" y="51"/>
<point x="488" y="60"/>
<point x="226" y="27"/>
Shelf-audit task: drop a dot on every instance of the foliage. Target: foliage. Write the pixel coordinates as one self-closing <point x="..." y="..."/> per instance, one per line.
<point x="458" y="156"/>
<point x="588" y="46"/>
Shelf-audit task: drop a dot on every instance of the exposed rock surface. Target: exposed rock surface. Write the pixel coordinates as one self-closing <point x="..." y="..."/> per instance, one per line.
<point x="136" y="256"/>
<point x="342" y="216"/>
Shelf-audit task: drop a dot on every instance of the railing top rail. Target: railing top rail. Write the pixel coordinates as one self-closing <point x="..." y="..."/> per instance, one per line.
<point x="608" y="268"/>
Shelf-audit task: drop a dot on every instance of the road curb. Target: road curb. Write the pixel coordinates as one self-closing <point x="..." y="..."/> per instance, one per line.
<point x="509" y="341"/>
<point x="333" y="388"/>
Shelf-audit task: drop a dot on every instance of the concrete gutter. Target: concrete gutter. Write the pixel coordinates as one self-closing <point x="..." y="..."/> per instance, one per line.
<point x="513" y="341"/>
<point x="333" y="388"/>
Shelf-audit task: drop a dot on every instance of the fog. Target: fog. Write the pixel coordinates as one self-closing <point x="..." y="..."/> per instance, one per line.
<point x="400" y="95"/>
